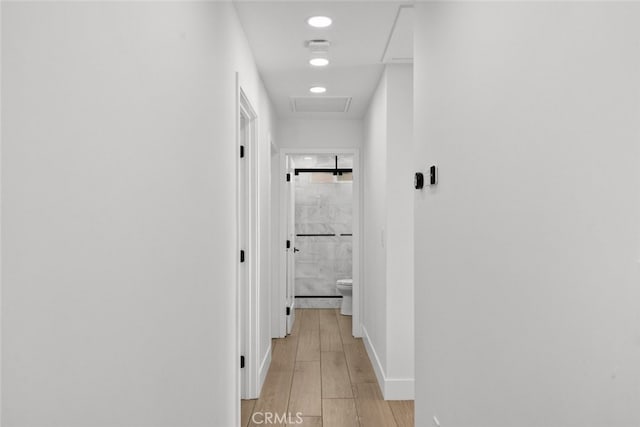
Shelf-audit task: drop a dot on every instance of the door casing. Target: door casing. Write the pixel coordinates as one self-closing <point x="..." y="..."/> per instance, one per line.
<point x="280" y="285"/>
<point x="247" y="232"/>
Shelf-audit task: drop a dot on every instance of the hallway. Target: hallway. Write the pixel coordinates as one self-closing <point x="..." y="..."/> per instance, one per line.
<point x="153" y="249"/>
<point x="323" y="372"/>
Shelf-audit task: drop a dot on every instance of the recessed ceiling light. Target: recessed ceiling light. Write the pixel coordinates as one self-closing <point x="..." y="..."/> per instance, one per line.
<point x="319" y="21"/>
<point x="319" y="62"/>
<point x="318" y="89"/>
<point x="308" y="158"/>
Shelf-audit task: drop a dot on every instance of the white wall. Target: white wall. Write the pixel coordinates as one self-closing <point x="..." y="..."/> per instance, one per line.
<point x="527" y="296"/>
<point x="267" y="127"/>
<point x="278" y="323"/>
<point x="399" y="237"/>
<point x="374" y="304"/>
<point x="388" y="323"/>
<point x="118" y="225"/>
<point x="319" y="133"/>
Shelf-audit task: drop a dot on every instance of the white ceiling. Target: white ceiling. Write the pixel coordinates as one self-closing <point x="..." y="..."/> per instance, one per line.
<point x="361" y="38"/>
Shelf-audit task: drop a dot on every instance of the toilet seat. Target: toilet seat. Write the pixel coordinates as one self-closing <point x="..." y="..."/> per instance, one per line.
<point x="345" y="282"/>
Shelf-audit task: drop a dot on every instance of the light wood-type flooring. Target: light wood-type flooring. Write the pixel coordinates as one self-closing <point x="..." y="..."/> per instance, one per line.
<point x="324" y="373"/>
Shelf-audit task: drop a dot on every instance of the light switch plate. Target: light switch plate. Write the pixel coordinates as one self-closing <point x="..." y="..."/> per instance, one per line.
<point x="433" y="175"/>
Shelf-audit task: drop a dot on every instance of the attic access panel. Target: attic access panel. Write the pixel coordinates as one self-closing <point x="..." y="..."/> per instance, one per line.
<point x="317" y="104"/>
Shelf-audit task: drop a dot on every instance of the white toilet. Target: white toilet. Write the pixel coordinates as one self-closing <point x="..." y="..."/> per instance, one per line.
<point x="345" y="287"/>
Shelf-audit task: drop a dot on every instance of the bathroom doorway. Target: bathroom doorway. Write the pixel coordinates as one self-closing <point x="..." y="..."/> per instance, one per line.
<point x="321" y="208"/>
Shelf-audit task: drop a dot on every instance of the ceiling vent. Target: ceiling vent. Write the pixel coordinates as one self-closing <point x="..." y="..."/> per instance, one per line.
<point x="324" y="104"/>
<point x="318" y="46"/>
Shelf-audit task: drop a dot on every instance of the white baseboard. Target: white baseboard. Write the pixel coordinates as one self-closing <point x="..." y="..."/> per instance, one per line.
<point x="392" y="388"/>
<point x="399" y="389"/>
<point x="375" y="361"/>
<point x="264" y="368"/>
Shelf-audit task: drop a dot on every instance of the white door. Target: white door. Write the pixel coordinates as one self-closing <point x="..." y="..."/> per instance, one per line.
<point x="291" y="241"/>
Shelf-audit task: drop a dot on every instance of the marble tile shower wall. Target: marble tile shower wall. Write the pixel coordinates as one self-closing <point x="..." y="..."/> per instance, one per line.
<point x="322" y="208"/>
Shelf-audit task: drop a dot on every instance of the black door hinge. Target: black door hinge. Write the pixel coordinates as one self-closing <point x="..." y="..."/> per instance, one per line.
<point x="241" y="151"/>
<point x="288" y="311"/>
<point x="241" y="362"/>
<point x="288" y="177"/>
<point x="241" y="256"/>
<point x="288" y="244"/>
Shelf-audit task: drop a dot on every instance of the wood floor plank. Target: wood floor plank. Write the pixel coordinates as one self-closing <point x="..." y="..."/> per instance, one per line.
<point x="403" y="412"/>
<point x="283" y="354"/>
<point x="360" y="369"/>
<point x="246" y="411"/>
<point x="335" y="376"/>
<point x="373" y="411"/>
<point x="306" y="386"/>
<point x="306" y="421"/>
<point x="339" y="413"/>
<point x="307" y="317"/>
<point x="309" y="336"/>
<point x="344" y="323"/>
<point x="295" y="329"/>
<point x="274" y="397"/>
<point x="330" y="339"/>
